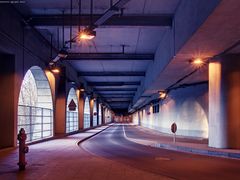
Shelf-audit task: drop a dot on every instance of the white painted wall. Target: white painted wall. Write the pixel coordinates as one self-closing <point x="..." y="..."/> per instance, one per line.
<point x="187" y="109"/>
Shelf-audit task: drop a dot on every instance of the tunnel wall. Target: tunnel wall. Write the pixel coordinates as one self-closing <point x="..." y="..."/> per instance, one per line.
<point x="187" y="107"/>
<point x="28" y="48"/>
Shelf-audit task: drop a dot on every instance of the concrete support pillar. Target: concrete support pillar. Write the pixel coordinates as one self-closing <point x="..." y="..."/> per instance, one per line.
<point x="224" y="102"/>
<point x="103" y="115"/>
<point x="97" y="102"/>
<point x="7" y="110"/>
<point x="60" y="109"/>
<point x="139" y="118"/>
<point x="91" y="111"/>
<point x="81" y="111"/>
<point x="101" y="109"/>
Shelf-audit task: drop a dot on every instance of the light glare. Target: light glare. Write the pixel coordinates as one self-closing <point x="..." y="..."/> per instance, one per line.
<point x="55" y="70"/>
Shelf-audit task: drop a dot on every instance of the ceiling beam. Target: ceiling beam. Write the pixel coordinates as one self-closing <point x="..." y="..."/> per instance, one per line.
<point x="114" y="9"/>
<point x="116" y="94"/>
<point x="116" y="97"/>
<point x="119" y="101"/>
<point x="120" y="111"/>
<point x="116" y="105"/>
<point x="108" y="56"/>
<point x="116" y="20"/>
<point x="115" y="89"/>
<point x="122" y="73"/>
<point x="114" y="83"/>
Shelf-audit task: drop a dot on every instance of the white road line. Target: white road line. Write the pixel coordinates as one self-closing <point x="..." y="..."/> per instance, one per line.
<point x="124" y="133"/>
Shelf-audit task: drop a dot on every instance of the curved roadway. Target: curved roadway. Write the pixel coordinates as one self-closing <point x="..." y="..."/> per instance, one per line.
<point x="112" y="144"/>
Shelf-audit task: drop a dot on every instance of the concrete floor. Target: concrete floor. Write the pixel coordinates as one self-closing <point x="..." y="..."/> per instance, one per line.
<point x="110" y="155"/>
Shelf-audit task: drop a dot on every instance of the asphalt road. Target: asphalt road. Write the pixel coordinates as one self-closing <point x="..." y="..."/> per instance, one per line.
<point x="112" y="144"/>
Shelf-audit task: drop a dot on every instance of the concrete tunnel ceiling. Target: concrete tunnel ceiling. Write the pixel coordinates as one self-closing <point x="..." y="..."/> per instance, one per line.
<point x="125" y="74"/>
<point x="136" y="72"/>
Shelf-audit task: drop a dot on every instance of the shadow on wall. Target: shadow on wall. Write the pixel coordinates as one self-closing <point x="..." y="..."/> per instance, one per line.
<point x="188" y="111"/>
<point x="192" y="120"/>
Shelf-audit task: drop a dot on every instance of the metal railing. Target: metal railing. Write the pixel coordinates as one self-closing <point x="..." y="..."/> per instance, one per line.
<point x="86" y="121"/>
<point x="72" y="121"/>
<point x="37" y="122"/>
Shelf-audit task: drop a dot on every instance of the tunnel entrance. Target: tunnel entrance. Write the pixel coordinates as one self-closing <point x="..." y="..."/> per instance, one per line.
<point x="35" y="106"/>
<point x="72" y="114"/>
<point x="86" y="121"/>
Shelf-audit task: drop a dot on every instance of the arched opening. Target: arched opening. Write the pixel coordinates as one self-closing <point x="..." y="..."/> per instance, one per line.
<point x="95" y="114"/>
<point x="35" y="106"/>
<point x="99" y="114"/>
<point x="86" y="122"/>
<point x="72" y="111"/>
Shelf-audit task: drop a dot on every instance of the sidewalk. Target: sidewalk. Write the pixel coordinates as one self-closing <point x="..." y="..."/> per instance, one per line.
<point x="184" y="144"/>
<point x="44" y="157"/>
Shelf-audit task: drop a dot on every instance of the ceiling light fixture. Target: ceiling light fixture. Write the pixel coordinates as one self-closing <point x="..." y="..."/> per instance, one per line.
<point x="81" y="88"/>
<point x="198" y="62"/>
<point x="55" y="70"/>
<point x="87" y="34"/>
<point x="162" y="94"/>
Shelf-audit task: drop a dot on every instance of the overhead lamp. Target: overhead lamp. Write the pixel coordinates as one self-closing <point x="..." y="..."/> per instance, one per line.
<point x="198" y="62"/>
<point x="87" y="34"/>
<point x="55" y="70"/>
<point x="81" y="88"/>
<point x="162" y="94"/>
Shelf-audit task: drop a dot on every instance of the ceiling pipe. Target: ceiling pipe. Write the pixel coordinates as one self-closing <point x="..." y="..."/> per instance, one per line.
<point x="110" y="12"/>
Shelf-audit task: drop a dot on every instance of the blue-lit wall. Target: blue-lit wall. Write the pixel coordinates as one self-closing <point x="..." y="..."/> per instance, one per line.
<point x="187" y="107"/>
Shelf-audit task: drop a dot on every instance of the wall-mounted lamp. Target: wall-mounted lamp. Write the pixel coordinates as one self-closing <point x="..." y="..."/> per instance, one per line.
<point x="86" y="34"/>
<point x="162" y="94"/>
<point x="54" y="68"/>
<point x="197" y="62"/>
<point x="81" y="88"/>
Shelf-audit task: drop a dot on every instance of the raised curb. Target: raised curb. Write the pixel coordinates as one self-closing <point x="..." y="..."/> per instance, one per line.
<point x="86" y="138"/>
<point x="197" y="151"/>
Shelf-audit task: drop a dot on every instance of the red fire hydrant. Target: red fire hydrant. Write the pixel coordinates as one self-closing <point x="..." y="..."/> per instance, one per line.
<point x="23" y="149"/>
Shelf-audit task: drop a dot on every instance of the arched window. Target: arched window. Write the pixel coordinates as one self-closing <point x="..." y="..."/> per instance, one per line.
<point x="35" y="107"/>
<point x="72" y="111"/>
<point x="95" y="114"/>
<point x="99" y="114"/>
<point x="86" y="123"/>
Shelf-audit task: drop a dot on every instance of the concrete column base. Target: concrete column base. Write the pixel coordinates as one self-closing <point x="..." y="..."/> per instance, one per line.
<point x="224" y="102"/>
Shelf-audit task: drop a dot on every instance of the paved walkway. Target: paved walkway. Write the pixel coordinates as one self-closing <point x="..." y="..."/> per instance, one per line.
<point x="156" y="139"/>
<point x="63" y="159"/>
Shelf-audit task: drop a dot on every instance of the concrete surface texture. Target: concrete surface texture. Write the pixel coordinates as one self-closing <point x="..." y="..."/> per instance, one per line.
<point x="186" y="107"/>
<point x="64" y="159"/>
<point x="109" y="155"/>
